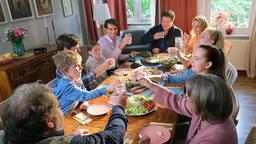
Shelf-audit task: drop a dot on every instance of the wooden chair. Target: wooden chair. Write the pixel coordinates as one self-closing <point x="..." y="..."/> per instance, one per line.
<point x="251" y="138"/>
<point x="1" y="109"/>
<point x="227" y="47"/>
<point x="2" y="105"/>
<point x="236" y="105"/>
<point x="231" y="74"/>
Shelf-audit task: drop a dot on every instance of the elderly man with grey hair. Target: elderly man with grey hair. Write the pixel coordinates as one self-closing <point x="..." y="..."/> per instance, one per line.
<point x="32" y="115"/>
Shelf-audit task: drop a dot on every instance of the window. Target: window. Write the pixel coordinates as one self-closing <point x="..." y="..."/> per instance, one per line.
<point x="138" y="11"/>
<point x="236" y="13"/>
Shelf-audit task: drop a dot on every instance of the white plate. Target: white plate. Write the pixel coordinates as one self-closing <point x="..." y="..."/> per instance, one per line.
<point x="99" y="108"/>
<point x="157" y="134"/>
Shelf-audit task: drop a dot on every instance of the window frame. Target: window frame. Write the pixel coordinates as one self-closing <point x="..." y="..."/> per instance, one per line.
<point x="204" y="8"/>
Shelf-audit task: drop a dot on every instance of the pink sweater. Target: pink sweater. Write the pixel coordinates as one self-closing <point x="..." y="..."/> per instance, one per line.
<point x="221" y="133"/>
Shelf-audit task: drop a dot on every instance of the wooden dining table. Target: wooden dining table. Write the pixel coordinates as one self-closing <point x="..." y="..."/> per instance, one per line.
<point x="135" y="123"/>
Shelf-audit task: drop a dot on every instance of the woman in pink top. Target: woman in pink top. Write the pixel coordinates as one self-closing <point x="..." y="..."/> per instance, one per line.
<point x="208" y="102"/>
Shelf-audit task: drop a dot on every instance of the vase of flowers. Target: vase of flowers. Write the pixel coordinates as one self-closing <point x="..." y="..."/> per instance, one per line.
<point x="16" y="36"/>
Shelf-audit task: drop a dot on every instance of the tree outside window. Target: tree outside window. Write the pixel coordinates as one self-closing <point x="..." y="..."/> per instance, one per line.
<point x="230" y="12"/>
<point x="138" y="11"/>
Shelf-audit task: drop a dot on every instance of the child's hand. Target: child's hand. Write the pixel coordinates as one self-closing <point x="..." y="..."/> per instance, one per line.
<point x="84" y="106"/>
<point x="110" y="63"/>
<point x="115" y="84"/>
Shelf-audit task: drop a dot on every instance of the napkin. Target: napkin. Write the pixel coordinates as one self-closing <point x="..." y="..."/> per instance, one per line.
<point x="82" y="118"/>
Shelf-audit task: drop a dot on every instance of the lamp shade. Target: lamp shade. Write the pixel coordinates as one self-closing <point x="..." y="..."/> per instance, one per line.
<point x="101" y="13"/>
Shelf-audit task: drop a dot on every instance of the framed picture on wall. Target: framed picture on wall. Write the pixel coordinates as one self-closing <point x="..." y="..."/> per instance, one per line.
<point x="2" y="14"/>
<point x="67" y="7"/>
<point x="43" y="8"/>
<point x="19" y="9"/>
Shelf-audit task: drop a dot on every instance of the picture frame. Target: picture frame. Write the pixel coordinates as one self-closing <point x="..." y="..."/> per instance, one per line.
<point x="67" y="8"/>
<point x="19" y="9"/>
<point x="2" y="14"/>
<point x="43" y="8"/>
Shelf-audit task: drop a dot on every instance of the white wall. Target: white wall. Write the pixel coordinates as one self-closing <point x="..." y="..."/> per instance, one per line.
<point x="36" y="26"/>
<point x="238" y="53"/>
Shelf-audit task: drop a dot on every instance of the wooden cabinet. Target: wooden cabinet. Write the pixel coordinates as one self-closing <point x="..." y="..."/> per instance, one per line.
<point x="27" y="70"/>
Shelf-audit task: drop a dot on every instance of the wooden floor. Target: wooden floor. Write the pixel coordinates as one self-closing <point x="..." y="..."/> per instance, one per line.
<point x="245" y="88"/>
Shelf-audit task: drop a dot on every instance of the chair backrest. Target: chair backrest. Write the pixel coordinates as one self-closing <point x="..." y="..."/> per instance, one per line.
<point x="231" y="74"/>
<point x="251" y="138"/>
<point x="227" y="47"/>
<point x="52" y="82"/>
<point x="2" y="106"/>
<point x="136" y="35"/>
<point x="236" y="105"/>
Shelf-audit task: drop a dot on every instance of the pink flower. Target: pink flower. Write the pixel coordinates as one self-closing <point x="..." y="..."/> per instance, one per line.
<point x="15" y="35"/>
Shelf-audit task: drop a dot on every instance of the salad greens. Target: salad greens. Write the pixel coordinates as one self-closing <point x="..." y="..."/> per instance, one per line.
<point x="139" y="105"/>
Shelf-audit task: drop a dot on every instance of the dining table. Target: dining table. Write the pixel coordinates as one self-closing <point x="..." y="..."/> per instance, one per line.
<point x="160" y="115"/>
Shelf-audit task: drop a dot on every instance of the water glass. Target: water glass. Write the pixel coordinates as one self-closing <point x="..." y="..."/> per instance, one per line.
<point x="121" y="88"/>
<point x="162" y="34"/>
<point x="128" y="138"/>
<point x="178" y="42"/>
<point x="129" y="35"/>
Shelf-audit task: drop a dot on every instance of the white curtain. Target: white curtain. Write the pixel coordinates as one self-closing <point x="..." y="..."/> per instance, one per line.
<point x="251" y="61"/>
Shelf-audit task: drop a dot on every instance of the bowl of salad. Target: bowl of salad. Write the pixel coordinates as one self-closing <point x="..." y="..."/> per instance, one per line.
<point x="139" y="105"/>
<point x="168" y="62"/>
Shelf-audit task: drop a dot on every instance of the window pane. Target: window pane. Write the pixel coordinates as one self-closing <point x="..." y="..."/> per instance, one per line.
<point x="234" y="12"/>
<point x="130" y="8"/>
<point x="145" y="9"/>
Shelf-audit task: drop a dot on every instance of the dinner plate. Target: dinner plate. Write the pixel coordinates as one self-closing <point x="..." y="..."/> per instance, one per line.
<point x="136" y="115"/>
<point x="157" y="134"/>
<point x="99" y="108"/>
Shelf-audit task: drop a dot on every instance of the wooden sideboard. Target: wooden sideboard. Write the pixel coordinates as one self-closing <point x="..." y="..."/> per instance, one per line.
<point x="27" y="70"/>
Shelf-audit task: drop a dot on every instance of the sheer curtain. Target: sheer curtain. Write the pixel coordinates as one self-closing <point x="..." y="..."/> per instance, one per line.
<point x="92" y="28"/>
<point x="251" y="60"/>
<point x="117" y="10"/>
<point x="185" y="11"/>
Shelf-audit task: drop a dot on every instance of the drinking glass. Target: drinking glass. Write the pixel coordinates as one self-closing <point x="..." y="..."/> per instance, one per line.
<point x="129" y="35"/>
<point x="162" y="34"/>
<point x="178" y="43"/>
<point x="128" y="138"/>
<point x="121" y="88"/>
